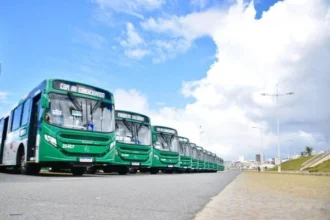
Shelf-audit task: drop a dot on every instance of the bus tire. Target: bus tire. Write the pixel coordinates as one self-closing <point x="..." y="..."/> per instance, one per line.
<point x="91" y="170"/>
<point x="123" y="171"/>
<point x="154" y="171"/>
<point x="133" y="171"/>
<point x="78" y="171"/>
<point x="24" y="167"/>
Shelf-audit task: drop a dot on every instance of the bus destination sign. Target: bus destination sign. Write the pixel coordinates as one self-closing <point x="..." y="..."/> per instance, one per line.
<point x="183" y="139"/>
<point x="166" y="130"/>
<point x="73" y="87"/>
<point x="131" y="116"/>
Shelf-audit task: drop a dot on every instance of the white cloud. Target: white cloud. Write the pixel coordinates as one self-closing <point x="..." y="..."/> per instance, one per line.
<point x="199" y="3"/>
<point x="133" y="38"/>
<point x="288" y="45"/>
<point x="131" y="100"/>
<point x="136" y="53"/>
<point x="131" y="7"/>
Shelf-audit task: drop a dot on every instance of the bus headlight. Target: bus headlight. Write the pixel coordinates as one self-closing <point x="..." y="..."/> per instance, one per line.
<point x="112" y="145"/>
<point x="156" y="156"/>
<point x="51" y="140"/>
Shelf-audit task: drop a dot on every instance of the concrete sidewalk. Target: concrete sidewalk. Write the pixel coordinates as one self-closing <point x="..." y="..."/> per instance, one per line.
<point x="294" y="172"/>
<point x="254" y="195"/>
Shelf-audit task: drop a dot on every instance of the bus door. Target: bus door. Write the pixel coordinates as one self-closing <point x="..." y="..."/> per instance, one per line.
<point x="33" y="127"/>
<point x="3" y="135"/>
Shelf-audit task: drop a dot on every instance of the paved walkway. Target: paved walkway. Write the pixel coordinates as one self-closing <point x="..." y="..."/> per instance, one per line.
<point x="271" y="196"/>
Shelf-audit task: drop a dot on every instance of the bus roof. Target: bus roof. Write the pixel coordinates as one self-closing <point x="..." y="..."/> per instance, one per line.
<point x="163" y="129"/>
<point x="128" y="115"/>
<point x="183" y="139"/>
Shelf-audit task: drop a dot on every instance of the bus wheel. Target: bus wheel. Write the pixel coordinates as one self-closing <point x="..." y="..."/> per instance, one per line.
<point x="28" y="168"/>
<point x="91" y="170"/>
<point x="153" y="171"/>
<point x="133" y="171"/>
<point x="123" y="171"/>
<point x="78" y="171"/>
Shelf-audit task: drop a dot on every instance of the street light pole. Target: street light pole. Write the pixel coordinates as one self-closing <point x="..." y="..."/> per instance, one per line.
<point x="261" y="147"/>
<point x="277" y="95"/>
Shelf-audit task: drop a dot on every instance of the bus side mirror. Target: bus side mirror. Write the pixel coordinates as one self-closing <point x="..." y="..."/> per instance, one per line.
<point x="44" y="101"/>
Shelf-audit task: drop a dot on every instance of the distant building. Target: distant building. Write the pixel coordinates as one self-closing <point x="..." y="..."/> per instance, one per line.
<point x="258" y="158"/>
<point x="276" y="161"/>
<point x="241" y="158"/>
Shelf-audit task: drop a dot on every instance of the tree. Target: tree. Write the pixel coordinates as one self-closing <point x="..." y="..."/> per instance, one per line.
<point x="309" y="150"/>
<point x="302" y="153"/>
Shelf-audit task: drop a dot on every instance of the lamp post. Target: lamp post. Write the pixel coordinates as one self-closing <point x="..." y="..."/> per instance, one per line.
<point x="261" y="146"/>
<point x="277" y="95"/>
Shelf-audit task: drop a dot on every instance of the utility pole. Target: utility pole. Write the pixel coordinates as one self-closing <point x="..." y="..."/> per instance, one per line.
<point x="277" y="95"/>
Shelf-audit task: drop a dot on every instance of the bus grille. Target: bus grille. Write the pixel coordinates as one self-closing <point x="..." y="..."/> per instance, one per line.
<point x="84" y="137"/>
<point x="135" y="149"/>
<point x="70" y="154"/>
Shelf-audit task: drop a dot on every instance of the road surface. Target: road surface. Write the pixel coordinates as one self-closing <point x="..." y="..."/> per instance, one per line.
<point x="140" y="196"/>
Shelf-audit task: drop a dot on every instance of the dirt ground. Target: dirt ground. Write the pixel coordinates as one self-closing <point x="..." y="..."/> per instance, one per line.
<point x="255" y="195"/>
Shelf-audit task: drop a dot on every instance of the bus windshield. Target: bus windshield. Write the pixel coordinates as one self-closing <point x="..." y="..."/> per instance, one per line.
<point x="194" y="153"/>
<point x="200" y="155"/>
<point x="184" y="148"/>
<point x="188" y="151"/>
<point x="133" y="132"/>
<point x="168" y="142"/>
<point x="78" y="113"/>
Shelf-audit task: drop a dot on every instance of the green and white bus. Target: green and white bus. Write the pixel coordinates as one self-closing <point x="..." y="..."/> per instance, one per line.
<point x="165" y="150"/>
<point x="194" y="160"/>
<point x="201" y="162"/>
<point x="214" y="165"/>
<point x="59" y="124"/>
<point x="185" y="151"/>
<point x="134" y="146"/>
<point x="208" y="161"/>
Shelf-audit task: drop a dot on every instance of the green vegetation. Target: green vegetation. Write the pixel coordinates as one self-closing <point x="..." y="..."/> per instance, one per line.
<point x="323" y="167"/>
<point x="293" y="165"/>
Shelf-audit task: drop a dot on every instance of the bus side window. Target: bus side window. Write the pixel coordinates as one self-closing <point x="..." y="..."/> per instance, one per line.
<point x="16" y="118"/>
<point x="26" y="112"/>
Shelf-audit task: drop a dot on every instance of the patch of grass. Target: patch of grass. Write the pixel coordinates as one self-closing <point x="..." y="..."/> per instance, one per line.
<point x="323" y="167"/>
<point x="292" y="165"/>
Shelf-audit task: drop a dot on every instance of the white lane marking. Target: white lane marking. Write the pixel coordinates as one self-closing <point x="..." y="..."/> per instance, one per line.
<point x="72" y="178"/>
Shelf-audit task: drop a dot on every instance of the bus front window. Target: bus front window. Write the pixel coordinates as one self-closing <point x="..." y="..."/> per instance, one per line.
<point x="194" y="153"/>
<point x="168" y="142"/>
<point x="80" y="113"/>
<point x="188" y="150"/>
<point x="133" y="133"/>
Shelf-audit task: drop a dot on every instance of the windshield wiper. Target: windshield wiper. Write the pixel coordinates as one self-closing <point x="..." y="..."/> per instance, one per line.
<point x="74" y="101"/>
<point x="96" y="106"/>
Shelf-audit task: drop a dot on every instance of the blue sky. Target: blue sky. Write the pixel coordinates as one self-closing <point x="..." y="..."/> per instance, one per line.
<point x="164" y="49"/>
<point x="56" y="39"/>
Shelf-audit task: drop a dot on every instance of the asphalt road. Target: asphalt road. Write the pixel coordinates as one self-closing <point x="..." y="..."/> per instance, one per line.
<point x="139" y="196"/>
